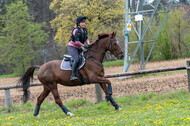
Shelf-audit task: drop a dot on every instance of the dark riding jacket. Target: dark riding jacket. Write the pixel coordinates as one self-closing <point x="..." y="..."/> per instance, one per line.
<point x="78" y="36"/>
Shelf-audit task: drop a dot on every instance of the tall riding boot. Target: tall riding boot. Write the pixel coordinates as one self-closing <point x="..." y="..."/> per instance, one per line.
<point x="74" y="69"/>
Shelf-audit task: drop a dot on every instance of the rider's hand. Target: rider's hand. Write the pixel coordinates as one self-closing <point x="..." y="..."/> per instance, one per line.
<point x="87" y="46"/>
<point x="82" y="45"/>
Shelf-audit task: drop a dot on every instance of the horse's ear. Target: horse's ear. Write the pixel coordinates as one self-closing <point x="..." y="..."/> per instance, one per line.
<point x="113" y="34"/>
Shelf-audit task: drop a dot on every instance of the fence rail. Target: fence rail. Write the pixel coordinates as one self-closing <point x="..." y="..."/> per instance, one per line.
<point x="111" y="75"/>
<point x="99" y="97"/>
<point x="18" y="86"/>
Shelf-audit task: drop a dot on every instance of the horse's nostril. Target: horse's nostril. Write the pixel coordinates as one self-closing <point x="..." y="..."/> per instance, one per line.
<point x="122" y="56"/>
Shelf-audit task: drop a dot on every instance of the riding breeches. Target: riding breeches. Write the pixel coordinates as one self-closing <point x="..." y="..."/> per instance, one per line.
<point x="74" y="52"/>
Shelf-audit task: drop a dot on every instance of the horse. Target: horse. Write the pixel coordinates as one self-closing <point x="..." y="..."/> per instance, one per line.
<point x="50" y="74"/>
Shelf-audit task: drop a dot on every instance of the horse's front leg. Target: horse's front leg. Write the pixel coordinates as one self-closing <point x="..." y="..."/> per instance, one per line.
<point x="107" y="88"/>
<point x="108" y="93"/>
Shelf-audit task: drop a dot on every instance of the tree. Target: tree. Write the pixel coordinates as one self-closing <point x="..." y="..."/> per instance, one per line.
<point x="20" y="36"/>
<point x="177" y="26"/>
<point x="103" y="16"/>
<point x="172" y="41"/>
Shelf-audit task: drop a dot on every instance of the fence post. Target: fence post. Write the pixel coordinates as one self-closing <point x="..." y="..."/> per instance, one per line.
<point x="98" y="93"/>
<point x="7" y="98"/>
<point x="188" y="74"/>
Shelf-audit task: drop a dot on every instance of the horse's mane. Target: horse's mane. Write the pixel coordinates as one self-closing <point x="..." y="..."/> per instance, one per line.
<point x="100" y="36"/>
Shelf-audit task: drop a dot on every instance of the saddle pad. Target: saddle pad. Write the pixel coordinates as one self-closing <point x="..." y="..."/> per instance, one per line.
<point x="66" y="65"/>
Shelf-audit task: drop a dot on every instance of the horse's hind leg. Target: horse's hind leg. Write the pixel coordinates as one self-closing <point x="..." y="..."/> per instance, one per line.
<point x="108" y="93"/>
<point x="58" y="101"/>
<point x="40" y="99"/>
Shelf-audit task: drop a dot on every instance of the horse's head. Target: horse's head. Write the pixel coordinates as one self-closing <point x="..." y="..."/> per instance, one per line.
<point x="114" y="47"/>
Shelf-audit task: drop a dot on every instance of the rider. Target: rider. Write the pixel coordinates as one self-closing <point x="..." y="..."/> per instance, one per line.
<point x="77" y="40"/>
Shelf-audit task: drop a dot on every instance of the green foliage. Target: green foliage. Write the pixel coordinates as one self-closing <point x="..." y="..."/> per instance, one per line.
<point x="3" y="3"/>
<point x="143" y="109"/>
<point x="20" y="37"/>
<point x="164" y="46"/>
<point x="103" y="16"/>
<point x="9" y="75"/>
<point x="173" y="41"/>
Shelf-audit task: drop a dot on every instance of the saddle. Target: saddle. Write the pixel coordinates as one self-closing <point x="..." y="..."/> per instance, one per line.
<point x="67" y="62"/>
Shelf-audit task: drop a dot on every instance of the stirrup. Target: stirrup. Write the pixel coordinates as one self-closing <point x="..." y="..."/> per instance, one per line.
<point x="73" y="78"/>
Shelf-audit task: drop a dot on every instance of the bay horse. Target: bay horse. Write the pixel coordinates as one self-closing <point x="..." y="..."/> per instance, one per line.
<point x="50" y="74"/>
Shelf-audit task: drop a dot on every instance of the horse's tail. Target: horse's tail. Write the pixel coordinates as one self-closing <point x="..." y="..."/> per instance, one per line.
<point x="24" y="81"/>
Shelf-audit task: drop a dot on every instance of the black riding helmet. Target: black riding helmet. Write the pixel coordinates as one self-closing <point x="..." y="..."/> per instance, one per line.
<point x="80" y="19"/>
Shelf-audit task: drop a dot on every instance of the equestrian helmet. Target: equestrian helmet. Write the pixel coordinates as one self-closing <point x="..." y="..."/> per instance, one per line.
<point x="80" y="19"/>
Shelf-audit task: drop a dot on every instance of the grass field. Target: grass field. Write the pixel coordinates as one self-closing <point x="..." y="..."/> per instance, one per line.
<point x="141" y="110"/>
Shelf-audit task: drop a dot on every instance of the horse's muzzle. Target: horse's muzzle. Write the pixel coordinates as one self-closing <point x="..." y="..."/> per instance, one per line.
<point x="121" y="56"/>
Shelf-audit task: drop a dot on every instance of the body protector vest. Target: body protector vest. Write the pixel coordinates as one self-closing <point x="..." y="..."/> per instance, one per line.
<point x="79" y="35"/>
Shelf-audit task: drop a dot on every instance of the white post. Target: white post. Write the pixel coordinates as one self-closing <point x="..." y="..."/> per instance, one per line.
<point x="188" y="74"/>
<point x="7" y="98"/>
<point x="98" y="93"/>
<point x="126" y="37"/>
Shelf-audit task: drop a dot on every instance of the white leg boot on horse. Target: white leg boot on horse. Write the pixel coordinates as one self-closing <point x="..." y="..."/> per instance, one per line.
<point x="58" y="101"/>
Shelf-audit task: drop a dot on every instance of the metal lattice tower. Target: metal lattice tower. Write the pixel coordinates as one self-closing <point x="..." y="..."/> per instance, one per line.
<point x="139" y="15"/>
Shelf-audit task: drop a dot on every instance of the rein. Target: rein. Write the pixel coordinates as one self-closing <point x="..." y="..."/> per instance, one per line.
<point x="92" y="56"/>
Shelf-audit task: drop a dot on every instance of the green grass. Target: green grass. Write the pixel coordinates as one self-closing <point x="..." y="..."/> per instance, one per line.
<point x="113" y="63"/>
<point x="9" y="75"/>
<point x="141" y="110"/>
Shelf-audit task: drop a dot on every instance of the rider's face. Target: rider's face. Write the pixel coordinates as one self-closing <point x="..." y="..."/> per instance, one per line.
<point x="82" y="24"/>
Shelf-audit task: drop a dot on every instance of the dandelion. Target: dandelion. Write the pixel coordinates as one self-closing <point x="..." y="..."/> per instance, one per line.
<point x="157" y="122"/>
<point x="21" y="114"/>
<point x="188" y="118"/>
<point x="92" y="121"/>
<point x="10" y="117"/>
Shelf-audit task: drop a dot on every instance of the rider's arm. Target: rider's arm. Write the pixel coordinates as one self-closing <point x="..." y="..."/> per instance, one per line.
<point x="88" y="42"/>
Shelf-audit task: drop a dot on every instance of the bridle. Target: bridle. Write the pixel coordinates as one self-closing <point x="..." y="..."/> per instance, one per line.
<point x="103" y="53"/>
<point x="110" y="40"/>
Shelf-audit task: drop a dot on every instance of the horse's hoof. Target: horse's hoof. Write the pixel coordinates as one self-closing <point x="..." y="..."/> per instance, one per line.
<point x="37" y="116"/>
<point x="70" y="114"/>
<point x="119" y="109"/>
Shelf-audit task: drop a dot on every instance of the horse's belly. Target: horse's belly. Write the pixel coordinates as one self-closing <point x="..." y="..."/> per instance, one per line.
<point x="70" y="83"/>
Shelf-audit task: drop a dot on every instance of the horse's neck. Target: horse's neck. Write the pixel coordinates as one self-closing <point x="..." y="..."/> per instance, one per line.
<point x="100" y="49"/>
